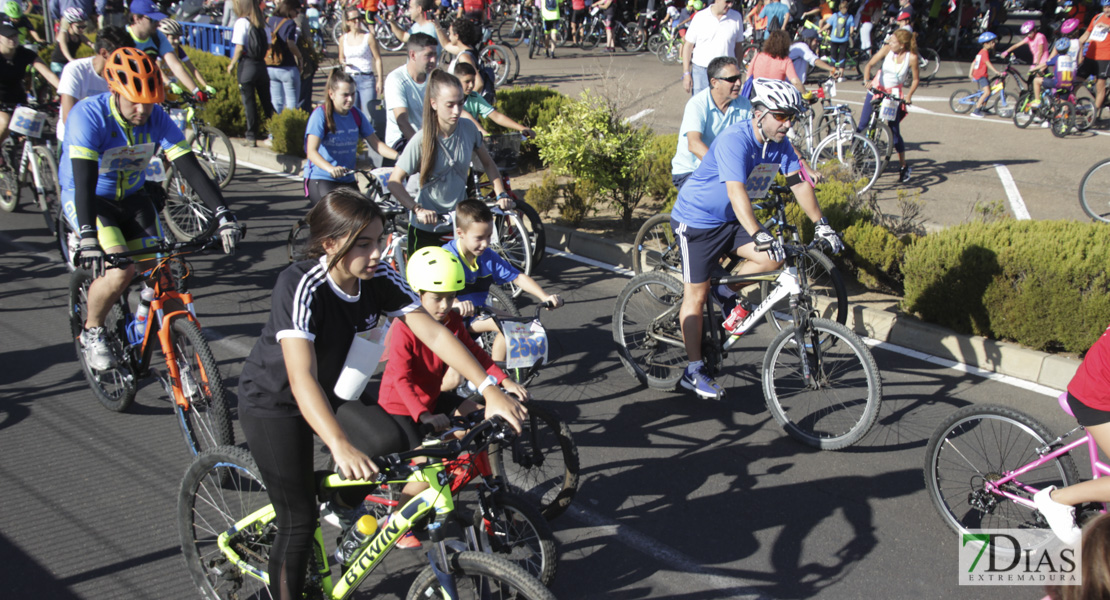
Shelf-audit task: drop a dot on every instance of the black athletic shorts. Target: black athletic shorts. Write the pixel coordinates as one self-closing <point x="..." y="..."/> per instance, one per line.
<point x="1085" y="415"/>
<point x="1100" y="69"/>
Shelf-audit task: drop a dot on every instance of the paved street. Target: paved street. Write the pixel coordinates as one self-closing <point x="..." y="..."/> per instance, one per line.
<point x="679" y="498"/>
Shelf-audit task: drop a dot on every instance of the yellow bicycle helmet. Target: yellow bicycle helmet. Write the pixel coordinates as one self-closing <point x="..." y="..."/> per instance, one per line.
<point x="435" y="269"/>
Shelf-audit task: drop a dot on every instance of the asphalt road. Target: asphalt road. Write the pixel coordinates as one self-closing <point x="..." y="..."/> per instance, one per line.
<point x="679" y="498"/>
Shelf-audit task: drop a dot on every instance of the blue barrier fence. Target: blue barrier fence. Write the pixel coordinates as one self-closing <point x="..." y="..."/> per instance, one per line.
<point x="209" y="38"/>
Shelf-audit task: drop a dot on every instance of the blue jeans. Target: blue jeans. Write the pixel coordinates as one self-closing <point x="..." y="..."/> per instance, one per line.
<point x="701" y="78"/>
<point x="366" y="93"/>
<point x="285" y="87"/>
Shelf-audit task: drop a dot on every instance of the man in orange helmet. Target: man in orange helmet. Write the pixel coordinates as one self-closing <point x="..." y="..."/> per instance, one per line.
<point x="110" y="141"/>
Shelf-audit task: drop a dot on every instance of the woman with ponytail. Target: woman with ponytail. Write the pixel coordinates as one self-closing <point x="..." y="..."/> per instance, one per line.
<point x="441" y="152"/>
<point x="331" y="139"/>
<point x="898" y="65"/>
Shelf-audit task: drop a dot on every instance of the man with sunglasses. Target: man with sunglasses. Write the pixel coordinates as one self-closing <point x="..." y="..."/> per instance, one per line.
<point x="713" y="214"/>
<point x="707" y="114"/>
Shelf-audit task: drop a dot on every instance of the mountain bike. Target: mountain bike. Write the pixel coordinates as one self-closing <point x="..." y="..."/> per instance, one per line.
<point x="844" y="153"/>
<point x="505" y="150"/>
<point x="192" y="378"/>
<point x="29" y="163"/>
<point x="1094" y="191"/>
<point x="984" y="463"/>
<point x="666" y="45"/>
<point x="211" y="146"/>
<point x="820" y="382"/>
<point x="884" y="110"/>
<point x="226" y="525"/>
<point x="629" y="36"/>
<point x="1001" y="102"/>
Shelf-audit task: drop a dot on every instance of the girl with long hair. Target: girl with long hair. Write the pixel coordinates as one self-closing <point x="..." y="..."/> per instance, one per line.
<point x="362" y="60"/>
<point x="441" y="152"/>
<point x="248" y="34"/>
<point x="899" y="62"/>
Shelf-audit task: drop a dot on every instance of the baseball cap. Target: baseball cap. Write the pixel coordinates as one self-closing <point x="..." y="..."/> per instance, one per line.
<point x="809" y="34"/>
<point x="904" y="15"/>
<point x="146" y="8"/>
<point x="8" y="31"/>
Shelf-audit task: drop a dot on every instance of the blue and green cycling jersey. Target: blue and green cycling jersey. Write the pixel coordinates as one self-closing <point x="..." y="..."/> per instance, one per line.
<point x="95" y="127"/>
<point x="156" y="46"/>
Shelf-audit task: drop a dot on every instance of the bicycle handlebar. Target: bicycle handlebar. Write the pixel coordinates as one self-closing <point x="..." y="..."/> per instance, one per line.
<point x="122" y="259"/>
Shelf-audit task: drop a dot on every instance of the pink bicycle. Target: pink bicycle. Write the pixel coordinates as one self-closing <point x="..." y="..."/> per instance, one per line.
<point x="984" y="463"/>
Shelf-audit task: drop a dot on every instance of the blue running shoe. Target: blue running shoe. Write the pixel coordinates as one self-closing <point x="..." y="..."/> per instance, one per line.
<point x="695" y="378"/>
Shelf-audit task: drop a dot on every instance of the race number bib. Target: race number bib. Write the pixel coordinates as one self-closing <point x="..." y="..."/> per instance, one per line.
<point x="1098" y="34"/>
<point x="527" y="344"/>
<point x="888" y="111"/>
<point x="127" y="158"/>
<point x="760" y="180"/>
<point x="27" y="122"/>
<point x="156" y="170"/>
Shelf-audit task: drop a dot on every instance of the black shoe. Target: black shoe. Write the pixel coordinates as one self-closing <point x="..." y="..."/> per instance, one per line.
<point x="904" y="174"/>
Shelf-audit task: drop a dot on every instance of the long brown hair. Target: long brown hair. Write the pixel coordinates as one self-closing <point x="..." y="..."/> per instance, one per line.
<point x="777" y="44"/>
<point x="337" y="77"/>
<point x="1096" y="570"/>
<point x="908" y="39"/>
<point x="250" y="10"/>
<point x="343" y="212"/>
<point x="429" y="145"/>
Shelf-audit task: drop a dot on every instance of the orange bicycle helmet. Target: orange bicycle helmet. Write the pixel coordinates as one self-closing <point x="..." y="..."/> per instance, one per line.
<point x="133" y="75"/>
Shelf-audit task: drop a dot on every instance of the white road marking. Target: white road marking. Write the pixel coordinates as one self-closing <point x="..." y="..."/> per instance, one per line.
<point x="639" y="115"/>
<point x="1017" y="205"/>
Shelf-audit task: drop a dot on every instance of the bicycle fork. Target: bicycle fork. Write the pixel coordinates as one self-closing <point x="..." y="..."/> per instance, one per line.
<point x="181" y="384"/>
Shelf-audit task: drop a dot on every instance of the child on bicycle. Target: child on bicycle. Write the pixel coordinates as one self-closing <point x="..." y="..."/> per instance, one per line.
<point x="173" y="32"/>
<point x="978" y="72"/>
<point x="418" y="388"/>
<point x="1063" y="72"/>
<point x="484" y="267"/>
<point x="331" y="139"/>
<point x="1089" y="400"/>
<point x="477" y="107"/>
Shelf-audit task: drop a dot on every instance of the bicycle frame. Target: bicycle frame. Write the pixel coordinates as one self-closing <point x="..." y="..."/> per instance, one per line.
<point x="1098" y="468"/>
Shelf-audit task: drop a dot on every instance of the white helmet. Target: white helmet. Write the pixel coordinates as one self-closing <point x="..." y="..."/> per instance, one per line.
<point x="777" y="96"/>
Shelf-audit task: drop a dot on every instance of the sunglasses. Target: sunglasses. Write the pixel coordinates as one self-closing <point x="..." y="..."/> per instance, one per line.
<point x="783" y="117"/>
<point x="731" y="79"/>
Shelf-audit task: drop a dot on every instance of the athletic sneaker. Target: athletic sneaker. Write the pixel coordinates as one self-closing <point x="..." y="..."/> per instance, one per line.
<point x="904" y="174"/>
<point x="98" y="355"/>
<point x="978" y="114"/>
<point x="1060" y="517"/>
<point x="734" y="318"/>
<point x="702" y="384"/>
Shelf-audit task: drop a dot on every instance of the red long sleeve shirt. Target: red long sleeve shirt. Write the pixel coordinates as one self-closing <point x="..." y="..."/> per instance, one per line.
<point x="414" y="374"/>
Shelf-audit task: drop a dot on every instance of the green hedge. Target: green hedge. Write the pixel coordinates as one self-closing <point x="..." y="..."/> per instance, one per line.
<point x="1040" y="283"/>
<point x="532" y="106"/>
<point x="288" y="129"/>
<point x="223" y="111"/>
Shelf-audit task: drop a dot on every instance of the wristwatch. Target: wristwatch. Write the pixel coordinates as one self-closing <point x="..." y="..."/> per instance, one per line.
<point x="488" y="381"/>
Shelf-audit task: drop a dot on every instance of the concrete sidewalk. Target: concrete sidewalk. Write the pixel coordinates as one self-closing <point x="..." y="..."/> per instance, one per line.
<point x="884" y="325"/>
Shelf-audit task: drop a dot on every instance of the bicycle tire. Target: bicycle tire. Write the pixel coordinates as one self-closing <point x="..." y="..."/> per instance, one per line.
<point x="9" y="188"/>
<point x="511" y="33"/>
<point x="206" y="423"/>
<point x="1094" y="191"/>
<point x="820" y="423"/>
<point x="514" y="59"/>
<point x="542" y="462"/>
<point x="1063" y="118"/>
<point x="647" y="305"/>
<point x="1084" y="113"/>
<point x="68" y="241"/>
<point x="339" y="28"/>
<point x="656" y="247"/>
<point x="1003" y="105"/>
<point x="385" y="37"/>
<point x="519" y="534"/>
<point x="1024" y="115"/>
<point x="591" y="37"/>
<point x="49" y="200"/>
<point x="534" y="42"/>
<point x="497" y="58"/>
<point x="823" y="280"/>
<point x="297" y="243"/>
<point x="499" y="300"/>
<point x="655" y="43"/>
<point x="185" y="215"/>
<point x="209" y="145"/>
<point x="747" y="53"/>
<point x="482" y="576"/>
<point x="932" y="64"/>
<point x="635" y="37"/>
<point x="858" y="160"/>
<point x="537" y="234"/>
<point x="115" y="387"/>
<point x="221" y="487"/>
<point x="959" y="102"/>
<point x="959" y="458"/>
<point x="883" y="138"/>
<point x="513" y="245"/>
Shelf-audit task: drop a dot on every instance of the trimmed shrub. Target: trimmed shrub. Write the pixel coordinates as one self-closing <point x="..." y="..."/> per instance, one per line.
<point x="288" y="128"/>
<point x="532" y="106"/>
<point x="1040" y="283"/>
<point x="224" y="111"/>
<point x="660" y="186"/>
<point x="579" y="201"/>
<point x="545" y="196"/>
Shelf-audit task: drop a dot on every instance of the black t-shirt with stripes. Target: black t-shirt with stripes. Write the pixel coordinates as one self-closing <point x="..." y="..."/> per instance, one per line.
<point x="306" y="303"/>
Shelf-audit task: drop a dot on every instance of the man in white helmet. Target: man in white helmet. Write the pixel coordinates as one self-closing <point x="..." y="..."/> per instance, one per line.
<point x="713" y="214"/>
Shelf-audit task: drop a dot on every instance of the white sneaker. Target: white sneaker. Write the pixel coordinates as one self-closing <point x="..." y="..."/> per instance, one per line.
<point x="98" y="355"/>
<point x="1060" y="517"/>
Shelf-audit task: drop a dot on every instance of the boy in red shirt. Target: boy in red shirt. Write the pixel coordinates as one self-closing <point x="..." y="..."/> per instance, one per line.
<point x="415" y="388"/>
<point x="979" y="68"/>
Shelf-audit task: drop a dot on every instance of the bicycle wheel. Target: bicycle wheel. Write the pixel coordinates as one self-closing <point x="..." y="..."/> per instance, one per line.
<point x="114" y="387"/>
<point x="185" y="214"/>
<point x="823" y="280"/>
<point x="1084" y="114"/>
<point x="340" y="28"/>
<point x="883" y="138"/>
<point x="206" y="422"/>
<point x="385" y="37"/>
<point x="213" y="148"/>
<point x="534" y="40"/>
<point x="591" y="36"/>
<point x="747" y="53"/>
<point x="480" y="576"/>
<point x="49" y="200"/>
<point x="655" y="43"/>
<point x="518" y="533"/>
<point x="512" y="31"/>
<point x="855" y="160"/>
<point x="1094" y="191"/>
<point x="512" y="244"/>
<point x="647" y="331"/>
<point x="297" y="243"/>
<point x="542" y="462"/>
<point x="656" y="247"/>
<point x="838" y="402"/>
<point x="222" y="487"/>
<point x="499" y="59"/>
<point x="1024" y="115"/>
<point x="499" y="300"/>
<point x="1063" y="118"/>
<point x="537" y="234"/>
<point x="978" y="444"/>
<point x="671" y="54"/>
<point x="961" y="101"/>
<point x="931" y="65"/>
<point x="9" y="188"/>
<point x="1004" y="104"/>
<point x="68" y="241"/>
<point x="634" y="38"/>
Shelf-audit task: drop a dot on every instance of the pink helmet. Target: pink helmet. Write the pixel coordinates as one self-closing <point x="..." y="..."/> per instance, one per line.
<point x="1028" y="26"/>
<point x="1069" y="26"/>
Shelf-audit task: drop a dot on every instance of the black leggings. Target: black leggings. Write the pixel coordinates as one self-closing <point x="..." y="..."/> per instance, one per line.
<point x="284" y="448"/>
<point x="316" y="189"/>
<point x="254" y="79"/>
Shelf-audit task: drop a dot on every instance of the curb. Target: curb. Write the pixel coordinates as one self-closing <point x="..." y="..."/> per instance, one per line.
<point x="896" y="328"/>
